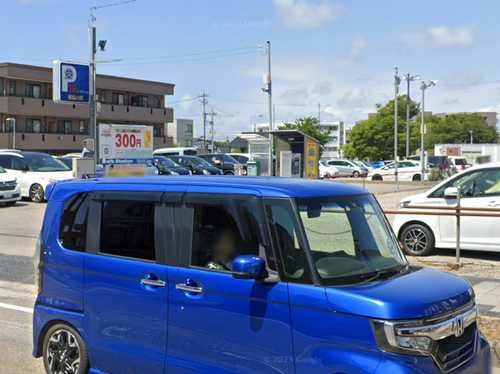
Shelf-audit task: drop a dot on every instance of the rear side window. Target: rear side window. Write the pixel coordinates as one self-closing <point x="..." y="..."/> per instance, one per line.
<point x="127" y="229"/>
<point x="73" y="230"/>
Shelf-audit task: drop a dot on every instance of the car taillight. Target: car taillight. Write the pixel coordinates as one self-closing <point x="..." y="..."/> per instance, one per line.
<point x="39" y="263"/>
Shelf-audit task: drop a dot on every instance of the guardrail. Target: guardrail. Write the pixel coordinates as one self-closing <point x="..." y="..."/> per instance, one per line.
<point x="456" y="210"/>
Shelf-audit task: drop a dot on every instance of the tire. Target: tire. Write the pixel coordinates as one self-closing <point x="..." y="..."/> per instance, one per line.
<point x="63" y="345"/>
<point x="416" y="178"/>
<point x="377" y="177"/>
<point x="228" y="173"/>
<point x="417" y="240"/>
<point x="355" y="174"/>
<point x="37" y="194"/>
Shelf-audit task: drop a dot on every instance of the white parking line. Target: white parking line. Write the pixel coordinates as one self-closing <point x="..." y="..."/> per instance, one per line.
<point x="17" y="308"/>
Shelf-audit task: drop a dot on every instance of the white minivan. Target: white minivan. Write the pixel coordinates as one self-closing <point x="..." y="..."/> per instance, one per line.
<point x="34" y="171"/>
<point x="479" y="188"/>
<point x="9" y="188"/>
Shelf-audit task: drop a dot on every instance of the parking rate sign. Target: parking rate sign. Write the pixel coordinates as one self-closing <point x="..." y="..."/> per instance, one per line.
<point x="125" y="141"/>
<point x="71" y="82"/>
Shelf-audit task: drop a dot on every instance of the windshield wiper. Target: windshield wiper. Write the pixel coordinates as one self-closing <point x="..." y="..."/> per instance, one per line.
<point x="381" y="274"/>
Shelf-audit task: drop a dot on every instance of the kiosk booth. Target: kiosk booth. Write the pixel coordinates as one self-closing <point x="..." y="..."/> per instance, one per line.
<point x="297" y="154"/>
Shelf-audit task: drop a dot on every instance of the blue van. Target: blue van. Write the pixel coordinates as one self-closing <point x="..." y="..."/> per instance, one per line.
<point x="240" y="275"/>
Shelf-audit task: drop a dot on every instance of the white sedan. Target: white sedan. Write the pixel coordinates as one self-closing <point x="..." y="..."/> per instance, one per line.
<point x="479" y="188"/>
<point x="407" y="171"/>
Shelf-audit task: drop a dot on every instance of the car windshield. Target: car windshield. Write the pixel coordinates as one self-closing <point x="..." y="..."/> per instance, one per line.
<point x="201" y="162"/>
<point x="167" y="162"/>
<point x="349" y="238"/>
<point x="44" y="163"/>
<point x="229" y="159"/>
<point x="460" y="161"/>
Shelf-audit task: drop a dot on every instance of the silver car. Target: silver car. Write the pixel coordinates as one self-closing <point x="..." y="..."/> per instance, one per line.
<point x="348" y="168"/>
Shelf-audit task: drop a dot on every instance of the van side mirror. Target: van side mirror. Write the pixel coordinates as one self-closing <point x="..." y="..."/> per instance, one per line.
<point x="249" y="267"/>
<point x="451" y="193"/>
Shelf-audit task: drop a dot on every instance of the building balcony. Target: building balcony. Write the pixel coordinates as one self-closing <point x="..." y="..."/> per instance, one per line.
<point x="35" y="107"/>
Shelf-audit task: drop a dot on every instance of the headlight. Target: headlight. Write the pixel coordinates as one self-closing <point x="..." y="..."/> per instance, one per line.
<point x="174" y="173"/>
<point x="404" y="204"/>
<point x="388" y="340"/>
<point x="206" y="172"/>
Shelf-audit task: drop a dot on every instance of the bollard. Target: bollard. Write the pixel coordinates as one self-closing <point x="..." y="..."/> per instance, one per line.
<point x="458" y="229"/>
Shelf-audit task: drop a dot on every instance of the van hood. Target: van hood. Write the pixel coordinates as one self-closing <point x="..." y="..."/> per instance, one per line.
<point x="420" y="293"/>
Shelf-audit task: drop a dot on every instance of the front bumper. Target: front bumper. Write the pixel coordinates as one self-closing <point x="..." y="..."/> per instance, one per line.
<point x="10" y="195"/>
<point x="480" y="363"/>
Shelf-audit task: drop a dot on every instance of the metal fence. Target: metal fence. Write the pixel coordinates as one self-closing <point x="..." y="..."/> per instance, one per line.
<point x="456" y="211"/>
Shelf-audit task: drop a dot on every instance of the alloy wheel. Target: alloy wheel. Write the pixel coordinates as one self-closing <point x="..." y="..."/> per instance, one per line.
<point x="63" y="353"/>
<point x="36" y="193"/>
<point x="416" y="240"/>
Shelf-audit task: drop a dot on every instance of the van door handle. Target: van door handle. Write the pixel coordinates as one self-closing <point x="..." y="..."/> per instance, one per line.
<point x="153" y="282"/>
<point x="186" y="288"/>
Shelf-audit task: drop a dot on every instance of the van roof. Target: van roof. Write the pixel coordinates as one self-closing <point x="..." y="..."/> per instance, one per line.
<point x="262" y="186"/>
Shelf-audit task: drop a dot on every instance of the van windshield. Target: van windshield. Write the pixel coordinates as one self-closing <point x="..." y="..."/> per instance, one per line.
<point x="349" y="239"/>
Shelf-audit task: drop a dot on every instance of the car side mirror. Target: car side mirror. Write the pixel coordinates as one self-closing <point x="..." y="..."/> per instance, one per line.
<point x="451" y="193"/>
<point x="249" y="267"/>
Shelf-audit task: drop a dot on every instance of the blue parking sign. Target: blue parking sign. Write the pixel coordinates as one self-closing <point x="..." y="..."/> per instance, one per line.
<point x="71" y="82"/>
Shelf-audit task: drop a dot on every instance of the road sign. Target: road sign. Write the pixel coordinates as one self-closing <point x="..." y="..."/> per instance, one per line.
<point x="125" y="141"/>
<point x="71" y="82"/>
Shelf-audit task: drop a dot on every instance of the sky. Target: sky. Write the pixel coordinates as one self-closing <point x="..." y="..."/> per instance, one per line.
<point x="337" y="53"/>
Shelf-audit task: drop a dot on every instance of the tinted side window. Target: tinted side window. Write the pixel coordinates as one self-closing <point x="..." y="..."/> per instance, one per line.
<point x="5" y="162"/>
<point x="18" y="163"/>
<point x="127" y="229"/>
<point x="223" y="231"/>
<point x="475" y="184"/>
<point x="73" y="229"/>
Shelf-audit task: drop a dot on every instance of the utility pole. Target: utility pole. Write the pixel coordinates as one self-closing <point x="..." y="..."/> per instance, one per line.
<point x="319" y="114"/>
<point x="92" y="99"/>
<point x="397" y="81"/>
<point x="269" y="90"/>
<point x="409" y="78"/>
<point x="204" y="101"/>
<point x="423" y="87"/>
<point x="212" y="123"/>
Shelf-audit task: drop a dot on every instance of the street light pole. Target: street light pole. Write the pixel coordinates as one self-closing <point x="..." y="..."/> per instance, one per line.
<point x="92" y="102"/>
<point x="409" y="78"/>
<point x="397" y="81"/>
<point x="423" y="87"/>
<point x="269" y="90"/>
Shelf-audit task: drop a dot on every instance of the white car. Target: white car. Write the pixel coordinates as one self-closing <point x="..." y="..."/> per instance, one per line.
<point x="327" y="171"/>
<point x="407" y="171"/>
<point x="10" y="192"/>
<point x="34" y="171"/>
<point x="459" y="163"/>
<point x="479" y="188"/>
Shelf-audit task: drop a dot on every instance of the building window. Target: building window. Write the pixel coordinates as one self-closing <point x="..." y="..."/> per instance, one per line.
<point x="33" y="125"/>
<point x="118" y="98"/>
<point x="139" y="100"/>
<point x="12" y="88"/>
<point x="33" y="90"/>
<point x="83" y="128"/>
<point x="65" y="127"/>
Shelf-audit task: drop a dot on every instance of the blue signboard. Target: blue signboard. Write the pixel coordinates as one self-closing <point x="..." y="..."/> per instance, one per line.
<point x="71" y="82"/>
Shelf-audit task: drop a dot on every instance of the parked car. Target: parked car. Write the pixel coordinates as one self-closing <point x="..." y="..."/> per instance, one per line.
<point x="348" y="168"/>
<point x="479" y="188"/>
<point x="10" y="193"/>
<point x="167" y="166"/>
<point x="34" y="171"/>
<point x="363" y="164"/>
<point x="377" y="164"/>
<point x="459" y="163"/>
<point x="250" y="275"/>
<point x="226" y="163"/>
<point x="197" y="165"/>
<point x="327" y="171"/>
<point x="407" y="171"/>
<point x="176" y="151"/>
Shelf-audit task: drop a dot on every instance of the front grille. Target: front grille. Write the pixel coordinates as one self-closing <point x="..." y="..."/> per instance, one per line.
<point x="7" y="186"/>
<point x="452" y="352"/>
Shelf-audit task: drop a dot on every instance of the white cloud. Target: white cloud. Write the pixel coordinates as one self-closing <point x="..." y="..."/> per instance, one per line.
<point x="443" y="36"/>
<point x="306" y="13"/>
<point x="358" y="45"/>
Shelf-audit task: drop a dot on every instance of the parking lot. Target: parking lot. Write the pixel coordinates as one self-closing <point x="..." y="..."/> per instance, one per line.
<point x="19" y="226"/>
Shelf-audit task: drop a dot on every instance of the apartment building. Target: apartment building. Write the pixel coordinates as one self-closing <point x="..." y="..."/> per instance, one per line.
<point x="181" y="132"/>
<point x="43" y="125"/>
<point x="336" y="130"/>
